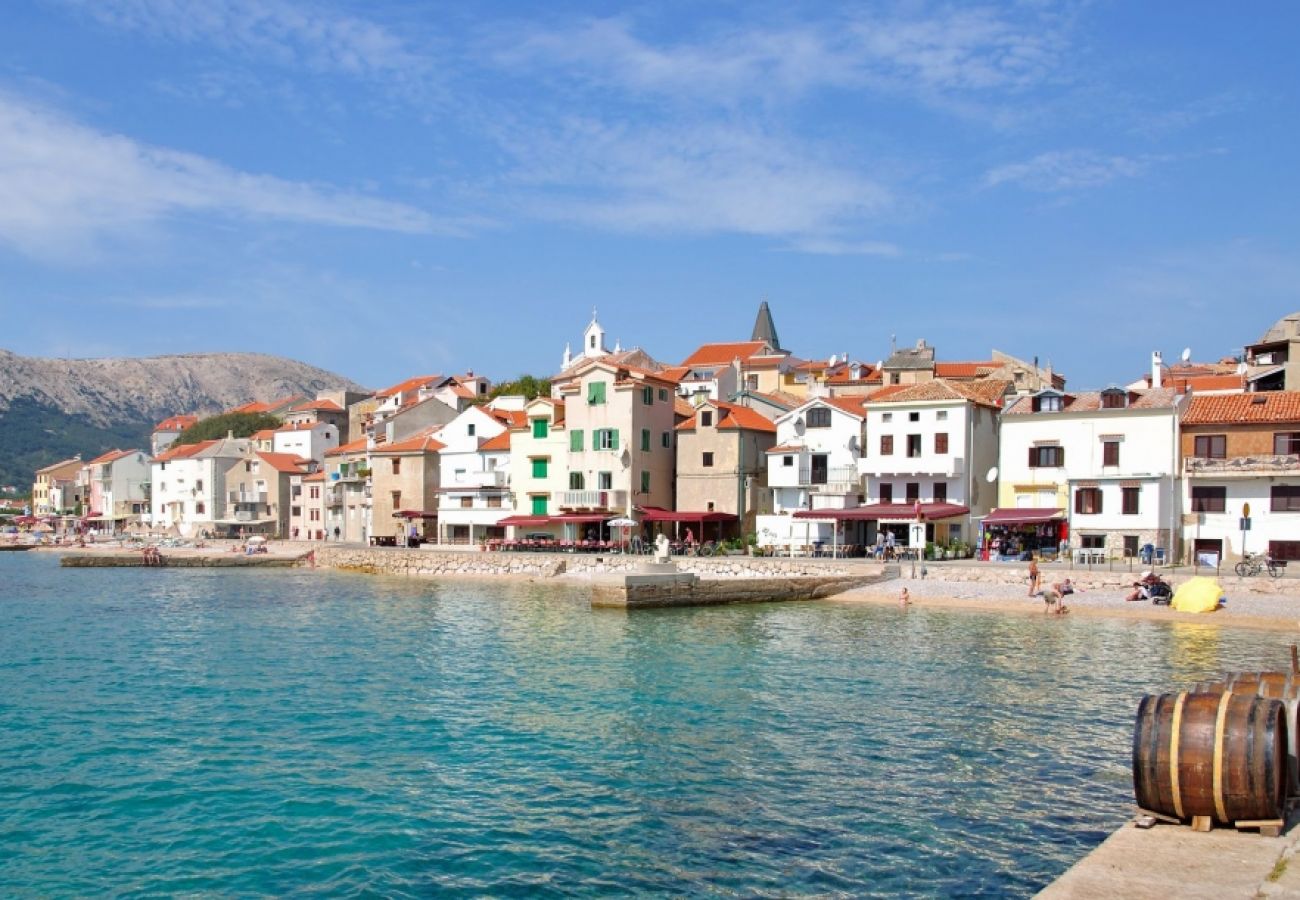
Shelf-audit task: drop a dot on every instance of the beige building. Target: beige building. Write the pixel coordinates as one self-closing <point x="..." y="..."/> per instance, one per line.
<point x="539" y="472"/>
<point x="307" y="506"/>
<point x="258" y="494"/>
<point x="404" y="481"/>
<point x="722" y="463"/>
<point x="57" y="488"/>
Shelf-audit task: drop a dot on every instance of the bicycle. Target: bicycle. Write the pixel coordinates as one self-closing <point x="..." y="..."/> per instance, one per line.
<point x="1254" y="563"/>
<point x="708" y="548"/>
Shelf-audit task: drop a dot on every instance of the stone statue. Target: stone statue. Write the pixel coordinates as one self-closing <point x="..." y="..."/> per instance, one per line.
<point x="661" y="548"/>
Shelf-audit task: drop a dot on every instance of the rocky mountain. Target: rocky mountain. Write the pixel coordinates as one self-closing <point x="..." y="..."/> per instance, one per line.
<point x="51" y="409"/>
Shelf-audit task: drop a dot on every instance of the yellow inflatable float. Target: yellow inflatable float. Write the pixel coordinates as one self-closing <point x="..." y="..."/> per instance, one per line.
<point x="1198" y="595"/>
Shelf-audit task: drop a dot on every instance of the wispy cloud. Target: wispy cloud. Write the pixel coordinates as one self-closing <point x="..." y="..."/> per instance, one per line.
<point x="64" y="187"/>
<point x="840" y="247"/>
<point x="273" y="31"/>
<point x="1062" y="171"/>
<point x="967" y="50"/>
<point x="691" y="178"/>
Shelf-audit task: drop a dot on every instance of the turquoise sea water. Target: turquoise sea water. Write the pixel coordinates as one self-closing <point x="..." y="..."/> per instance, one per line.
<point x="274" y="732"/>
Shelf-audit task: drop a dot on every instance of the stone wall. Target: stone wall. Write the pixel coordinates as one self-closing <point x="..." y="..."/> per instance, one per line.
<point x="1104" y="579"/>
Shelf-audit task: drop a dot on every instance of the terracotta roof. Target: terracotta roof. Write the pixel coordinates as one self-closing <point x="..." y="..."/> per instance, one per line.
<point x="176" y="423"/>
<point x="964" y="369"/>
<point x="987" y="392"/>
<point x="421" y="443"/>
<point x="284" y="462"/>
<point x="1232" y="409"/>
<point x="1214" y="382"/>
<point x="350" y="447"/>
<point x="265" y="434"/>
<point x="1090" y="401"/>
<point x="723" y="354"/>
<point x="315" y="476"/>
<point x="886" y="392"/>
<point x="60" y="465"/>
<point x="844" y="375"/>
<point x="183" y="451"/>
<point x="732" y="417"/>
<point x="321" y="405"/>
<point x="777" y="398"/>
<point x="851" y="405"/>
<point x="255" y="406"/>
<point x="674" y="373"/>
<point x="682" y="407"/>
<point x="111" y="456"/>
<point x="500" y="442"/>
<point x="511" y="418"/>
<point x="409" y="384"/>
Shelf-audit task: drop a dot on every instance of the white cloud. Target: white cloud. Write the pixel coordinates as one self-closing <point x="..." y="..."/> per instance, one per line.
<point x="64" y="187"/>
<point x="839" y="247"/>
<point x="271" y="30"/>
<point x="952" y="51"/>
<point x="689" y="178"/>
<point x="1068" y="170"/>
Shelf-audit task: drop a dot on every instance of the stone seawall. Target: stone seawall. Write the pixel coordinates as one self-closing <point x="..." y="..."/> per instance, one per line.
<point x="134" y="560"/>
<point x="397" y="561"/>
<point x="644" y="592"/>
<point x="1101" y="578"/>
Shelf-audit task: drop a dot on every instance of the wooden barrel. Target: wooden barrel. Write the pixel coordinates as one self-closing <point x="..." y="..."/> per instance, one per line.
<point x="1203" y="754"/>
<point x="1279" y="688"/>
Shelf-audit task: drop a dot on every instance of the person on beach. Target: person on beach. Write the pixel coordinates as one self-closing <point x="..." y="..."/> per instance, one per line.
<point x="904" y="599"/>
<point x="1064" y="587"/>
<point x="1052" y="602"/>
<point x="1035" y="577"/>
<point x="1142" y="587"/>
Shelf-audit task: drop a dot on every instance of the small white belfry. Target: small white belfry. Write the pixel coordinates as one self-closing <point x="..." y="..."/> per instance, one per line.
<point x="593" y="344"/>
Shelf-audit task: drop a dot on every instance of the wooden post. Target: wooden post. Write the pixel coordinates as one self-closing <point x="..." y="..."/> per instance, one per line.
<point x="1295" y="660"/>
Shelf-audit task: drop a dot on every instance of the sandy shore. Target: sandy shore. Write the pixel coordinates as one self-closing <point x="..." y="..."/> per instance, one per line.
<point x="1277" y="612"/>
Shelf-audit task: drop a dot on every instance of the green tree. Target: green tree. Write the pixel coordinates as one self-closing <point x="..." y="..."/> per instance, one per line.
<point x="528" y="385"/>
<point x="239" y="424"/>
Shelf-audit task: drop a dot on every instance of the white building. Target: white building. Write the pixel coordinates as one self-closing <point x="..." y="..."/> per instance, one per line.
<point x="929" y="448"/>
<point x="189" y="484"/>
<point x="167" y="431"/>
<point x="474" y="495"/>
<point x="1241" y="458"/>
<point x="308" y="440"/>
<point x="118" y="489"/>
<point x="1103" y="463"/>
<point x="813" y="467"/>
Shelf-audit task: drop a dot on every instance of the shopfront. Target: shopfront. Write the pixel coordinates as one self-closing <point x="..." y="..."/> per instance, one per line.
<point x="1007" y="534"/>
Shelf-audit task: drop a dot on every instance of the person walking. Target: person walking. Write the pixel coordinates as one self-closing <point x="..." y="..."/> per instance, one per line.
<point x="1034" y="577"/>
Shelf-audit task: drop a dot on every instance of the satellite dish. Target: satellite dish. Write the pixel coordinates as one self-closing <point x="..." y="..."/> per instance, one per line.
<point x="833" y="361"/>
<point x="1241" y="368"/>
<point x="852" y="444"/>
<point x="798" y="425"/>
<point x="992" y="476"/>
<point x="1186" y="354"/>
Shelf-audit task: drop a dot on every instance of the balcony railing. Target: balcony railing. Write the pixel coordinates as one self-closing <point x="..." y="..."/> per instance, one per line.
<point x="498" y="478"/>
<point x="1242" y="466"/>
<point x="834" y="479"/>
<point x="943" y="465"/>
<point x="247" y="497"/>
<point x="593" y="499"/>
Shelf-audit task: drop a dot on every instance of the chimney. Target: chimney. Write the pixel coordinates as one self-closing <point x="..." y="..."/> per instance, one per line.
<point x="1155" y="369"/>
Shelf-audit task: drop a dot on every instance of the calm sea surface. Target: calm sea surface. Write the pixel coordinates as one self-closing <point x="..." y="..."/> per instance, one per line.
<point x="191" y="731"/>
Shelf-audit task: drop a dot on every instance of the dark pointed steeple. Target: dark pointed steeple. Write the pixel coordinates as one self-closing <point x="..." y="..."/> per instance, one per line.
<point x="765" y="328"/>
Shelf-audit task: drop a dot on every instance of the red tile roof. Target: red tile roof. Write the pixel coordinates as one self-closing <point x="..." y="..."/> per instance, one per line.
<point x="285" y="462"/>
<point x="265" y="434"/>
<point x="183" y="451"/>
<point x="1241" y="409"/>
<point x="410" y="384"/>
<point x="255" y="406"/>
<point x="682" y="407"/>
<point x="176" y="423"/>
<point x="723" y="354"/>
<point x="851" y="405"/>
<point x="315" y="476"/>
<point x="511" y="418"/>
<point x="421" y="443"/>
<point x="318" y="405"/>
<point x="1090" y="401"/>
<point x="356" y="446"/>
<point x="110" y="456"/>
<point x="987" y="392"/>
<point x="500" y="442"/>
<point x="964" y="369"/>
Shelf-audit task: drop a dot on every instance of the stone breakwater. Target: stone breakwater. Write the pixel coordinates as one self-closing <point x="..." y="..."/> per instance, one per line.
<point x="1100" y="578"/>
<point x="549" y="565"/>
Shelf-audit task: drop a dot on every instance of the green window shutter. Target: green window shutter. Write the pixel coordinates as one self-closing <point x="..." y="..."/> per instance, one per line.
<point x="645" y="482"/>
<point x="539" y="506"/>
<point x="595" y="393"/>
<point x="648" y="396"/>
<point x="539" y="468"/>
<point x="595" y="439"/>
<point x="539" y="428"/>
<point x="666" y="439"/>
<point x="575" y="440"/>
<point x="613" y="439"/>
<point x="645" y="438"/>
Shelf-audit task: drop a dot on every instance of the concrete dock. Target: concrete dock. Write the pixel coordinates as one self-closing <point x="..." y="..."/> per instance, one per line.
<point x="1174" y="861"/>
<point x="177" y="560"/>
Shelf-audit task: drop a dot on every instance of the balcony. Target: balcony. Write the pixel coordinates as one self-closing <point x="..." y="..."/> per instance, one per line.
<point x="473" y="480"/>
<point x="593" y="499"/>
<point x="942" y="466"/>
<point x="1241" y="466"/>
<point x="833" y="480"/>
<point x="247" y="497"/>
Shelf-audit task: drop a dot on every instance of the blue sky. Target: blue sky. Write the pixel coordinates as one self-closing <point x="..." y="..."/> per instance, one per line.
<point x="386" y="189"/>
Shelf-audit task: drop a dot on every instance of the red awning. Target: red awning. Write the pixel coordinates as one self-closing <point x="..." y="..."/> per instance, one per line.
<point x="525" y="521"/>
<point x="414" y="514"/>
<point x="1030" y="515"/>
<point x="581" y="518"/>
<point x="656" y="514"/>
<point x="902" y="512"/>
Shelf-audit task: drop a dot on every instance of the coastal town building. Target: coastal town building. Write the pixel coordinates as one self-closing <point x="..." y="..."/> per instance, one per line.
<point x="307" y="506"/>
<point x="929" y="447"/>
<point x="167" y="431"/>
<point x="188" y="484"/>
<point x="812" y="469"/>
<point x="117" y="490"/>
<point x="539" y="473"/>
<point x="1241" y="475"/>
<point x="1095" y="470"/>
<point x="307" y="439"/>
<point x="403" y="483"/>
<point x="722" y="465"/>
<point x="57" y="489"/>
<point x="474" y="495"/>
<point x="1273" y="362"/>
<point x="259" y="495"/>
<point x="321" y="411"/>
<point x="347" y="492"/>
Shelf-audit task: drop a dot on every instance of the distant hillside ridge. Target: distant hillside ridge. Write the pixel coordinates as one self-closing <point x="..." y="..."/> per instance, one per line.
<point x="52" y="409"/>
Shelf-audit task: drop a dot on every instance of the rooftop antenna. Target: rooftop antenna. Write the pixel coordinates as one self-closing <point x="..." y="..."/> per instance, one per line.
<point x="893" y="343"/>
